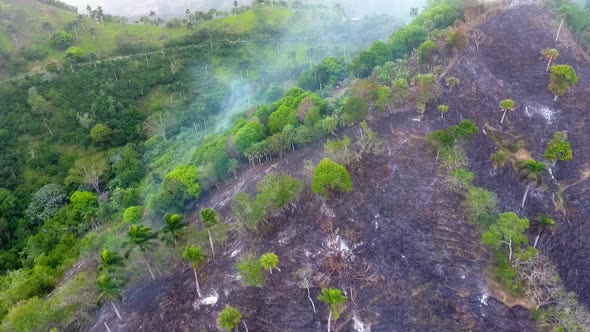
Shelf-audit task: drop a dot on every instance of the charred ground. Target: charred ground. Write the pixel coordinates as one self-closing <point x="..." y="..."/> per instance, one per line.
<point x="399" y="245"/>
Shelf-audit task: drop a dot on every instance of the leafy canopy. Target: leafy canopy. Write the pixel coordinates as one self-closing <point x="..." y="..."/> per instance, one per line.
<point x="194" y="254"/>
<point x="269" y="260"/>
<point x="563" y="78"/>
<point x="509" y="228"/>
<point x="559" y="148"/>
<point x="250" y="271"/>
<point x="334" y="298"/>
<point x="229" y="318"/>
<point x="330" y="176"/>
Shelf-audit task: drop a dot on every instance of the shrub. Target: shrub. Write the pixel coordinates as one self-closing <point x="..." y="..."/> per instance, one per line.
<point x="330" y="176"/>
<point x="229" y="318"/>
<point x="62" y="40"/>
<point x="250" y="271"/>
<point x="133" y="214"/>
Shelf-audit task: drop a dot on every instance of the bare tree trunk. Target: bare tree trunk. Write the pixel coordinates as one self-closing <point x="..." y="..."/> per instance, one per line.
<point x="46" y="126"/>
<point x="503" y="115"/>
<point x="549" y="64"/>
<point x="148" y="266"/>
<point x="197" y="282"/>
<point x="94" y="63"/>
<point x="94" y="38"/>
<point x="526" y="193"/>
<point x="106" y="326"/>
<point x="211" y="243"/>
<point x="76" y="33"/>
<point x="116" y="311"/>
<point x="558" y="30"/>
<point x="555" y="98"/>
<point x="510" y="247"/>
<point x="537" y="240"/>
<point x="310" y="300"/>
<point x="329" y="320"/>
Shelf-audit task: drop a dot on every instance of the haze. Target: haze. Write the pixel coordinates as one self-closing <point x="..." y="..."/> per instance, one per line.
<point x="170" y="8"/>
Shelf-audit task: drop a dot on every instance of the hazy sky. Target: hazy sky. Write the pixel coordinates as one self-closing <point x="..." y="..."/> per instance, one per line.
<point x="134" y="8"/>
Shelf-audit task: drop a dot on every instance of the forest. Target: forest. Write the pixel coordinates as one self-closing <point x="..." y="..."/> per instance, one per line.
<point x="111" y="141"/>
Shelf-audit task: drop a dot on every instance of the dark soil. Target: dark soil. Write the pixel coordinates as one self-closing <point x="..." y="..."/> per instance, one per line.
<point x="399" y="244"/>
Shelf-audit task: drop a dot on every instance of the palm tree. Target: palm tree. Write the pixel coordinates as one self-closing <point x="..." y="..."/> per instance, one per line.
<point x="506" y="105"/>
<point x="109" y="260"/>
<point x="413" y="11"/>
<point x="545" y="223"/>
<point x="140" y="237"/>
<point x="532" y="172"/>
<point x="549" y="54"/>
<point x="196" y="256"/>
<point x="334" y="298"/>
<point x="229" y="318"/>
<point x="174" y="224"/>
<point x="110" y="291"/>
<point x="209" y="218"/>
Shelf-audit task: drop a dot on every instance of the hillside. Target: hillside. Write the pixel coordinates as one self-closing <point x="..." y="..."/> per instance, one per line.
<point x="401" y="246"/>
<point x="246" y="176"/>
<point x="26" y="28"/>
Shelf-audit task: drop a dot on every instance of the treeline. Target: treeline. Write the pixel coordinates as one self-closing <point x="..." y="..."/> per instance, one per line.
<point x="576" y="17"/>
<point x="60" y="4"/>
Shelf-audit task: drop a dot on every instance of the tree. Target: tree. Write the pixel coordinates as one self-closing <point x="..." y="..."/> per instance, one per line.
<point x="133" y="214"/>
<point x="269" y="261"/>
<point x="157" y="124"/>
<point x="110" y="291"/>
<point x="196" y="256"/>
<point x="210" y="218"/>
<point x="330" y="176"/>
<point x="174" y="224"/>
<point x="559" y="148"/>
<point x="334" y="298"/>
<point x="355" y="110"/>
<point x="250" y="271"/>
<point x="506" y="105"/>
<point x="509" y="229"/>
<point x="532" y="172"/>
<point x="443" y="109"/>
<point x="180" y="184"/>
<point x="384" y="98"/>
<point x="100" y="133"/>
<point x="74" y="53"/>
<point x="367" y="140"/>
<point x="499" y="158"/>
<point x="250" y="134"/>
<point x="62" y="40"/>
<point x="45" y="203"/>
<point x="275" y="191"/>
<point x="140" y="237"/>
<point x="229" y="318"/>
<point x="549" y="54"/>
<point x="425" y="52"/>
<point x="89" y="170"/>
<point x="109" y="260"/>
<point x="413" y="11"/>
<point x="545" y="223"/>
<point x="426" y="90"/>
<point x="563" y="78"/>
<point x="452" y="82"/>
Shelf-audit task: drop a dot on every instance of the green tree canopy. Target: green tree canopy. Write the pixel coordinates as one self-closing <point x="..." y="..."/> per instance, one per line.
<point x="133" y="214"/>
<point x="269" y="261"/>
<point x="426" y="51"/>
<point x="330" y="176"/>
<point x="509" y="229"/>
<point x="563" y="78"/>
<point x="229" y="318"/>
<point x="355" y="110"/>
<point x="250" y="271"/>
<point x="101" y="133"/>
<point x="250" y="134"/>
<point x="559" y="148"/>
